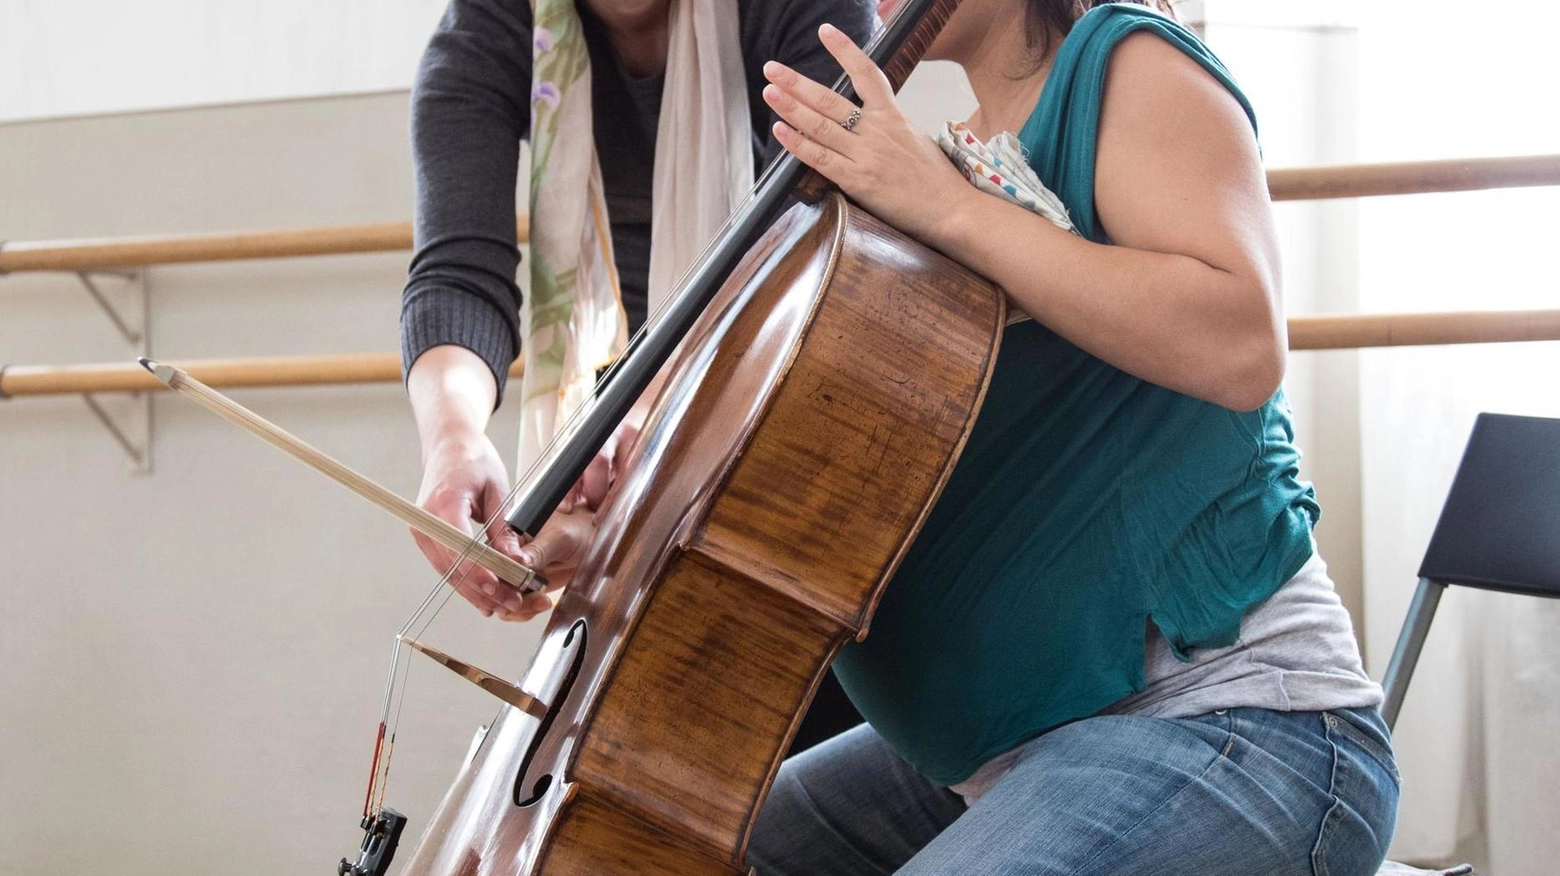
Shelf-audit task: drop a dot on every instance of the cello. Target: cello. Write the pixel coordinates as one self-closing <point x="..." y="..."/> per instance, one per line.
<point x="824" y="371"/>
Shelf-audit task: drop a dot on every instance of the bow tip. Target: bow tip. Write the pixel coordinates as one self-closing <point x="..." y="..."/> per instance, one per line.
<point x="162" y="372"/>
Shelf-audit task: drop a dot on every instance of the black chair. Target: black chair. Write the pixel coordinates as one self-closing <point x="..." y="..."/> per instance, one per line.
<point x="1499" y="530"/>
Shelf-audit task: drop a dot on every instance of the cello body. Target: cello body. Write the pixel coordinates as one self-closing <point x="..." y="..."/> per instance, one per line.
<point x="807" y="426"/>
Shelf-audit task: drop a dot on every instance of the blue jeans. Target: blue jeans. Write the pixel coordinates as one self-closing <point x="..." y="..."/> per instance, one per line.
<point x="1236" y="792"/>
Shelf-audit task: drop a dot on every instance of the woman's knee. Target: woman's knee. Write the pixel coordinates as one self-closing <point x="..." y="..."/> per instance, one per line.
<point x="847" y="807"/>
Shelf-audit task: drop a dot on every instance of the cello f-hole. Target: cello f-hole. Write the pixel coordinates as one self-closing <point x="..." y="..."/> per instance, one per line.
<point x="523" y="798"/>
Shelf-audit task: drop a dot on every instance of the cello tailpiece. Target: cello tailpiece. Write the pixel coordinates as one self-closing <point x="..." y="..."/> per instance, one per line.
<point x="381" y="834"/>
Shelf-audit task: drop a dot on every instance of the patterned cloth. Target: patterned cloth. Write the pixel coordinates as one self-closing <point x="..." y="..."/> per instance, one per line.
<point x="573" y="318"/>
<point x="998" y="167"/>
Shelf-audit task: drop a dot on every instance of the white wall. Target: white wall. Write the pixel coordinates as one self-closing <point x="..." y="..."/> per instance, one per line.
<point x="70" y="57"/>
<point x="191" y="662"/>
<point x="1476" y="738"/>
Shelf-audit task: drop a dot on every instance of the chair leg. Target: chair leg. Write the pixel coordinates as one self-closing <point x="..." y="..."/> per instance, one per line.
<point x="1410" y="641"/>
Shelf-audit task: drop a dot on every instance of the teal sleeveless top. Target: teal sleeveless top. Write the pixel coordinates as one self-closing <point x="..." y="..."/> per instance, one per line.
<point x="1087" y="504"/>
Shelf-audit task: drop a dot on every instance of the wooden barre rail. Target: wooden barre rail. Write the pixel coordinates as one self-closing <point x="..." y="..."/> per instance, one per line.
<point x="169" y="249"/>
<point x="346" y="368"/>
<point x="1355" y="331"/>
<point x="1412" y="177"/>
<point x="1327" y="332"/>
<point x="1285" y="184"/>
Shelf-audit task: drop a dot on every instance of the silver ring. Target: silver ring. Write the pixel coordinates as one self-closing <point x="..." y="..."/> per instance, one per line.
<point x="852" y="119"/>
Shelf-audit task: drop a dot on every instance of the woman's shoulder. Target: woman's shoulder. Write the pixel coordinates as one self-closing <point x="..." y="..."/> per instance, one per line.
<point x="1154" y="85"/>
<point x="1152" y="59"/>
<point x="1144" y="63"/>
<point x="1177" y="167"/>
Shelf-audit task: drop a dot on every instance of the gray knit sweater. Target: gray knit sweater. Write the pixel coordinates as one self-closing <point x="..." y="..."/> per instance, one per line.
<point x="471" y="109"/>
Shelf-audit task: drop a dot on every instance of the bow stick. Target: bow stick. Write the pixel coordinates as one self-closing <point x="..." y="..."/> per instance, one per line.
<point x="468" y="547"/>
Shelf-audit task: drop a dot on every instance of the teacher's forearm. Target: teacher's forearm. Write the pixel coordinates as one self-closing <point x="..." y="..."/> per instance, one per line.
<point x="452" y="393"/>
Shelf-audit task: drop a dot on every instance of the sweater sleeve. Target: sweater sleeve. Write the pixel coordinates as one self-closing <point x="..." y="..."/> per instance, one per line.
<point x="470" y="108"/>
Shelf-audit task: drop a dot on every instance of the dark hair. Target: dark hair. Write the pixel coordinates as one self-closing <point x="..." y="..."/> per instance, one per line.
<point x="1044" y="17"/>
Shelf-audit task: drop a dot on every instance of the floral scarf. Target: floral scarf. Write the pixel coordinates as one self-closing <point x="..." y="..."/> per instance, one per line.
<point x="573" y="318"/>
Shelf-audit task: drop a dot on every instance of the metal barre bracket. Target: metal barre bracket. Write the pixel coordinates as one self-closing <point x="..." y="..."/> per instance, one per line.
<point x="131" y="326"/>
<point x="128" y="420"/>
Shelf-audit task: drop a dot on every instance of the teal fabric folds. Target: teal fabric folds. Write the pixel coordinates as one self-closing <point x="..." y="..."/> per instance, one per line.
<point x="1087" y="503"/>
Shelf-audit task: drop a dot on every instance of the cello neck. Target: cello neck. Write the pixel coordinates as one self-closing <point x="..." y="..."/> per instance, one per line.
<point x="923" y="22"/>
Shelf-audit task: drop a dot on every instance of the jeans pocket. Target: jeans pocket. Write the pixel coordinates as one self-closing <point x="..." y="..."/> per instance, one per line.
<point x="1359" y="730"/>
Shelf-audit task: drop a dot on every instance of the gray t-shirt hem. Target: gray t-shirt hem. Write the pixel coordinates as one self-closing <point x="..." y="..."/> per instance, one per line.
<point x="1296" y="653"/>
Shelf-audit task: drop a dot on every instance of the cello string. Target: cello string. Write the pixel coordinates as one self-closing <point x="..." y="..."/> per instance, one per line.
<point x="380" y="777"/>
<point x="384" y="717"/>
<point x="396" y="693"/>
<point x="406" y="683"/>
<point x="389" y="721"/>
<point x="386" y="722"/>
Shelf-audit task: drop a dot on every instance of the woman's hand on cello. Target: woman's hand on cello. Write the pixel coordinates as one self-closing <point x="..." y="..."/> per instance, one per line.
<point x="881" y="161"/>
